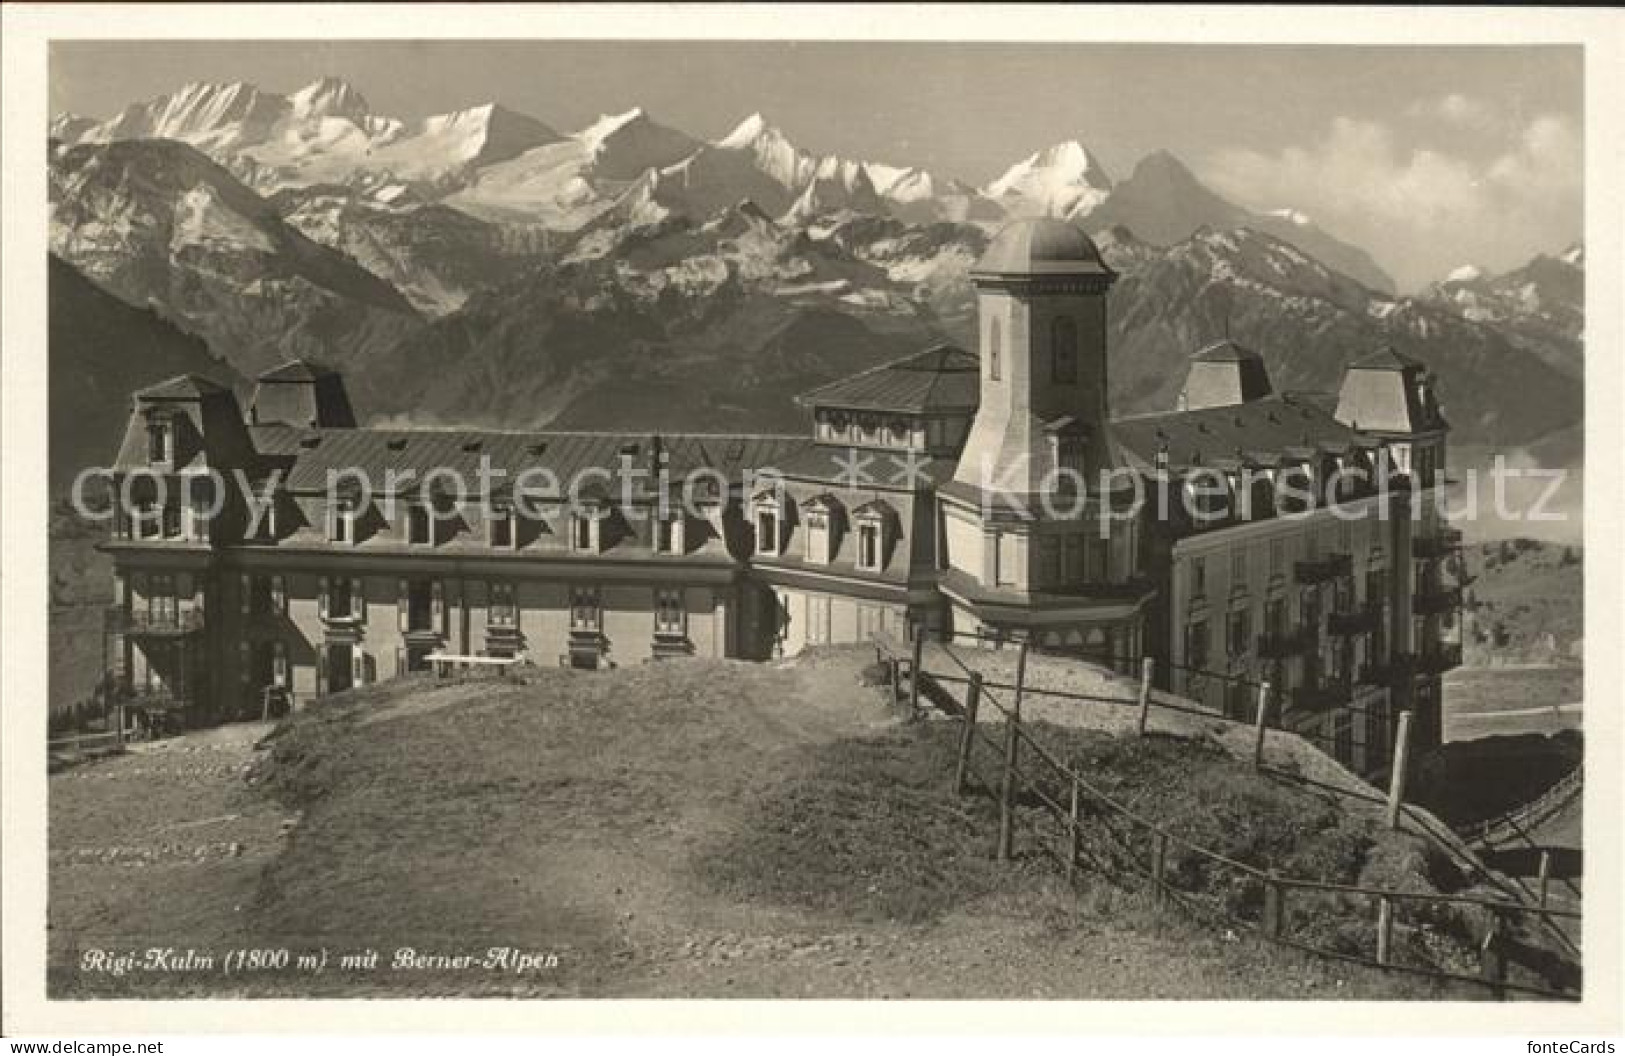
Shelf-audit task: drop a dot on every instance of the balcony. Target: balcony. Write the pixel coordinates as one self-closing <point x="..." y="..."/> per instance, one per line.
<point x="1324" y="697"/>
<point x="1441" y="543"/>
<point x="1377" y="673"/>
<point x="1323" y="569"/>
<point x="1432" y="660"/>
<point x="1432" y="601"/>
<point x="164" y="623"/>
<point x="1279" y="644"/>
<point x="1362" y="619"/>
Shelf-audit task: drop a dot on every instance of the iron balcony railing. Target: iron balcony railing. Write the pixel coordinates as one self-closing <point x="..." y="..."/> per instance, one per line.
<point x="1323" y="569"/>
<point x="1440" y="543"/>
<point x="145" y="621"/>
<point x="1274" y="645"/>
<point x="1362" y="619"/>
<point x="1323" y="697"/>
<point x="1377" y="672"/>
<point x="1432" y="601"/>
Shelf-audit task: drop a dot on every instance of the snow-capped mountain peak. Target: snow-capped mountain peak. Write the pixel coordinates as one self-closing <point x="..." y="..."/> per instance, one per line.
<point x="1575" y="255"/>
<point x="329" y="97"/>
<point x="1465" y="273"/>
<point x="1063" y="180"/>
<point x="610" y="125"/>
<point x="771" y="150"/>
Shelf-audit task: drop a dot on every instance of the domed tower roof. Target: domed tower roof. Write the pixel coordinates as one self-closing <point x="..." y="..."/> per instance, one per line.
<point x="1043" y="247"/>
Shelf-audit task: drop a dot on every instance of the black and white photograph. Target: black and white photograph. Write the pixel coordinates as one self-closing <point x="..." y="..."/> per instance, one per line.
<point x="1039" y="519"/>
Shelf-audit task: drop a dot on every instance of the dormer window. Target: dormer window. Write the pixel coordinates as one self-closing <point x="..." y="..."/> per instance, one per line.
<point x="419" y="524"/>
<point x="823" y="516"/>
<point x="585" y="535"/>
<point x="161" y="442"/>
<point x="503" y="529"/>
<point x="668" y="533"/>
<point x="873" y="522"/>
<point x="869" y="543"/>
<point x="342" y="529"/>
<point x="772" y="530"/>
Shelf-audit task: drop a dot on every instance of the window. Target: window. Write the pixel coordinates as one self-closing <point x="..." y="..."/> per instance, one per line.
<point x="767" y="531"/>
<point x="1238" y="568"/>
<point x="146" y="520"/>
<point x="818" y="536"/>
<point x="420" y="605"/>
<point x="671" y="617"/>
<point x="586" y="611"/>
<point x="669" y="533"/>
<point x="503" y="536"/>
<point x="1196" y="645"/>
<point x="419" y="524"/>
<point x="343" y="529"/>
<point x="1275" y="617"/>
<point x="1277" y="556"/>
<point x="160" y="442"/>
<point x="342" y="599"/>
<point x="583" y="528"/>
<point x="869" y="547"/>
<point x="1238" y="632"/>
<point x="994" y="339"/>
<point x="503" y="612"/>
<point x="900" y="429"/>
<point x="1198" y="576"/>
<point x="1064" y="351"/>
<point x="161" y="603"/>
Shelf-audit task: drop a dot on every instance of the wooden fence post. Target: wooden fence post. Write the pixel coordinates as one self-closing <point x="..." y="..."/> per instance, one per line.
<point x="1159" y="866"/>
<point x="894" y="677"/>
<point x="1545" y="877"/>
<point x="1146" y="667"/>
<point x="915" y="659"/>
<point x="1274" y="906"/>
<point x="1385" y="928"/>
<point x="1260" y="721"/>
<point x="967" y="734"/>
<point x="1396" y="780"/>
<point x="1493" y="962"/>
<point x="1073" y="817"/>
<point x="1012" y="740"/>
<point x="118" y="724"/>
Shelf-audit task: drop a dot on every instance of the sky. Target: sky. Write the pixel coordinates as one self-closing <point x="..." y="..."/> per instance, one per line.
<point x="1429" y="158"/>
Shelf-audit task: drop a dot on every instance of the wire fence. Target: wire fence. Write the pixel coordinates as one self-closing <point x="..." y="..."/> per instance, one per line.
<point x="1055" y="802"/>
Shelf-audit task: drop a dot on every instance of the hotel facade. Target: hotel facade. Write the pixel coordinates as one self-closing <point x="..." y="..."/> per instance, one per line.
<point x="1247" y="535"/>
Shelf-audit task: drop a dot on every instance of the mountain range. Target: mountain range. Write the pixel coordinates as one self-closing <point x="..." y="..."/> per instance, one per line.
<point x="479" y="267"/>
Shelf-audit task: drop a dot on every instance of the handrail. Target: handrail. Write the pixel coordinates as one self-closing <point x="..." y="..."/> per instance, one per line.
<point x="1544" y="915"/>
<point x="1523" y="816"/>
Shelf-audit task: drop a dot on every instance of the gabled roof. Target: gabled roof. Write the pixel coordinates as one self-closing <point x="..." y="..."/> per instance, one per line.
<point x="943" y="378"/>
<point x="296" y="370"/>
<point x="182" y="387"/>
<point x="1387" y="358"/>
<point x="1226" y="351"/>
<point x="1266" y="431"/>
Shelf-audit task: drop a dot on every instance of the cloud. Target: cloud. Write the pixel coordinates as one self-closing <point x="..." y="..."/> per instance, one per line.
<point x="1462" y="111"/>
<point x="1422" y="209"/>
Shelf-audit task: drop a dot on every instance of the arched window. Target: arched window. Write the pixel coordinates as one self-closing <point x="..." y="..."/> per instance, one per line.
<point x="1064" y="351"/>
<point x="993" y="343"/>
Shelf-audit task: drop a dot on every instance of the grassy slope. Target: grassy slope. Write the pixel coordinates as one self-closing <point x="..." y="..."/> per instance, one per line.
<point x="717" y="829"/>
<point x="1529" y="602"/>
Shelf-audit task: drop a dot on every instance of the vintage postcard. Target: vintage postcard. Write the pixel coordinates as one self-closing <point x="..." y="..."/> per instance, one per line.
<point x="545" y="508"/>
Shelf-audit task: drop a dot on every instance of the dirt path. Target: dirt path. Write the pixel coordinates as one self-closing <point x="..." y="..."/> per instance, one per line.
<point x="600" y="819"/>
<point x="160" y="847"/>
